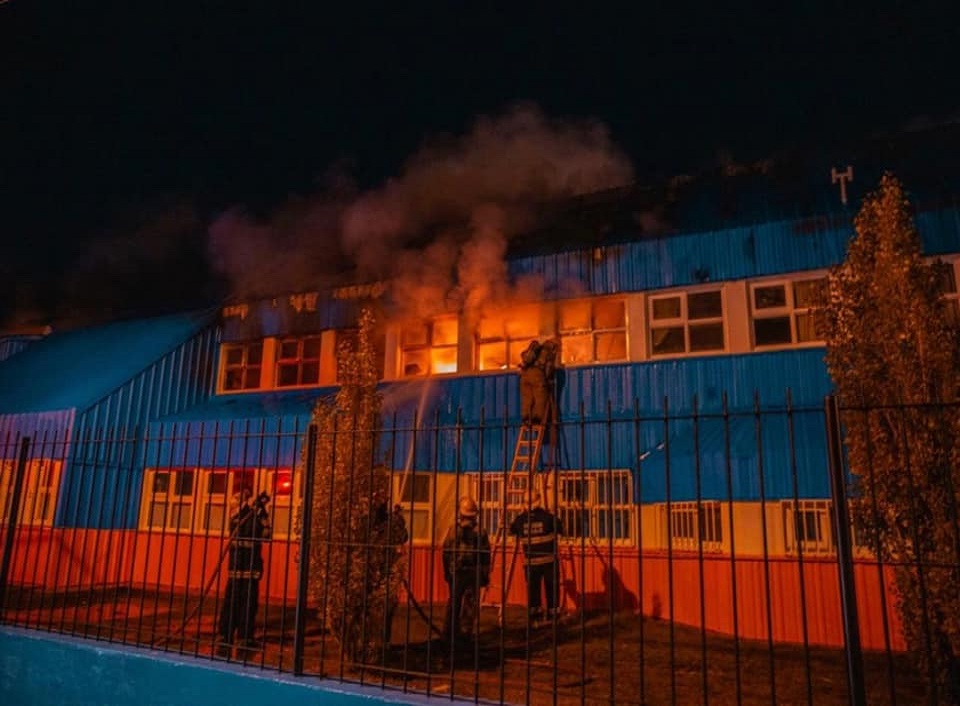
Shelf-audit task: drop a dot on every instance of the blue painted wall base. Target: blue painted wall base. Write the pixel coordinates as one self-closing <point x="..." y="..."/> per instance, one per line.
<point x="40" y="669"/>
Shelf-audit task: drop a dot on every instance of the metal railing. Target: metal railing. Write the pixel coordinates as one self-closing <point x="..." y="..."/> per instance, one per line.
<point x="706" y="556"/>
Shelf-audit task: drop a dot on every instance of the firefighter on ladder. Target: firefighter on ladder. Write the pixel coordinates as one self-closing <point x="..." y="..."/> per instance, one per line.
<point x="537" y="531"/>
<point x="249" y="530"/>
<point x="537" y="366"/>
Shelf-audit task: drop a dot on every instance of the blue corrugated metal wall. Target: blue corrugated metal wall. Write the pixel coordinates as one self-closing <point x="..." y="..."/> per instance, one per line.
<point x="11" y="346"/>
<point x="49" y="433"/>
<point x="106" y="465"/>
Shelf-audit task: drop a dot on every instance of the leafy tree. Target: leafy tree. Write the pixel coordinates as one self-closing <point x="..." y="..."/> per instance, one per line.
<point x="355" y="562"/>
<point x="893" y="353"/>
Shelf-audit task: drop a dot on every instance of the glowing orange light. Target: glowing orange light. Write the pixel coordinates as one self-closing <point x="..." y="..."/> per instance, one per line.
<point x="283" y="484"/>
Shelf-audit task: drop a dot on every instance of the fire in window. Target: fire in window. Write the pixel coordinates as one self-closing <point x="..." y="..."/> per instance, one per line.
<point x="503" y="336"/>
<point x="298" y="361"/>
<point x="592" y="331"/>
<point x="429" y="348"/>
<point x="241" y="365"/>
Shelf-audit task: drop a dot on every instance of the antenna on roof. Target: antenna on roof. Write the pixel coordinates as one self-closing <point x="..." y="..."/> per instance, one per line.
<point x="843" y="178"/>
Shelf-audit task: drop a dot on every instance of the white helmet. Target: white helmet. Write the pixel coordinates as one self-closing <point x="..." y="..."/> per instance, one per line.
<point x="468" y="507"/>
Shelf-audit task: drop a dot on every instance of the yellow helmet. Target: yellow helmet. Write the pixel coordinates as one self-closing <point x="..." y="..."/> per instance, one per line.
<point x="468" y="507"/>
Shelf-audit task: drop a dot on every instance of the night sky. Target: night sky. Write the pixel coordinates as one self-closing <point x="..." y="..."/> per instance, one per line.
<point x="129" y="128"/>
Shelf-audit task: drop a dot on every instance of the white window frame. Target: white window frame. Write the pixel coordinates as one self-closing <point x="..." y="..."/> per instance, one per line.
<point x="592" y="330"/>
<point x="201" y="499"/>
<point x="427" y="345"/>
<point x="684" y="322"/>
<point x="513" y="341"/>
<point x="950" y="293"/>
<point x="38" y="497"/>
<point x="790" y="310"/>
<point x="243" y="366"/>
<point x="298" y="360"/>
<point x="692" y="525"/>
<point x="417" y="510"/>
<point x="589" y="506"/>
<point x="817" y="520"/>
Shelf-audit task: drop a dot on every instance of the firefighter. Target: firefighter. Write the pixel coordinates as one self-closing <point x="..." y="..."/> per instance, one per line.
<point x="466" y="568"/>
<point x="537" y="366"/>
<point x="537" y="529"/>
<point x="249" y="531"/>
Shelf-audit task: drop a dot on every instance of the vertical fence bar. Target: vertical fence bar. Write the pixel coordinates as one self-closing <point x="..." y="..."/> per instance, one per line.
<point x="848" y="594"/>
<point x="12" y="520"/>
<point x="303" y="569"/>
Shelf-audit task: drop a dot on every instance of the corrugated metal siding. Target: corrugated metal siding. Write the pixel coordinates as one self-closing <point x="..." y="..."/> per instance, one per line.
<point x="278" y="317"/>
<point x="105" y="466"/>
<point x="49" y="433"/>
<point x="11" y="346"/>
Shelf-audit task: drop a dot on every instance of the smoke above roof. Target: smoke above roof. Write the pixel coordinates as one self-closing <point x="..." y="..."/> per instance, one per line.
<point x="439" y="230"/>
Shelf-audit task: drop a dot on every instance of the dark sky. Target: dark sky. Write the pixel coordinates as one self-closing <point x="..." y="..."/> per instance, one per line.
<point x="129" y="126"/>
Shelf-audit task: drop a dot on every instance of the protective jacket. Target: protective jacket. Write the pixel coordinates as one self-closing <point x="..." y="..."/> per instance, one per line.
<point x="250" y="529"/>
<point x="537" y="531"/>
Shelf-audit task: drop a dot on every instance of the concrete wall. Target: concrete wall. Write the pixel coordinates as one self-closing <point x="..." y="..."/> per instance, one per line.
<point x="41" y="669"/>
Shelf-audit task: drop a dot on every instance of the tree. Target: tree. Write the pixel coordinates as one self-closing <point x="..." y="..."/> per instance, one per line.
<point x="893" y="353"/>
<point x="355" y="563"/>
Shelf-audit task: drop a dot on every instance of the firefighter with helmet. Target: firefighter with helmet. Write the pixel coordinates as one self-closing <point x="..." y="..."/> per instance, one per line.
<point x="466" y="568"/>
<point x="537" y="530"/>
<point x="249" y="531"/>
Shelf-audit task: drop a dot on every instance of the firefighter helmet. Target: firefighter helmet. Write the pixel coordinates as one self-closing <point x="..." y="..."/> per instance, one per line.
<point x="468" y="507"/>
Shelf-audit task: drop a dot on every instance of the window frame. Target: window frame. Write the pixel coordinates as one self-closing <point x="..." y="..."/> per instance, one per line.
<point x="683" y="321"/>
<point x="822" y="512"/>
<point x="34" y="512"/>
<point x="513" y="345"/>
<point x="429" y="345"/>
<point x="243" y="366"/>
<point x="593" y="330"/>
<point x="422" y="532"/>
<point x="708" y="536"/>
<point x="789" y="310"/>
<point x="299" y="360"/>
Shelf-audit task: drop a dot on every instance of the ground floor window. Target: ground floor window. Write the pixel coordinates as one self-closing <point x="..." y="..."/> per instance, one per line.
<point x="38" y="497"/>
<point x="201" y="500"/>
<point x="808" y="527"/>
<point x="692" y="525"/>
<point x="414" y="493"/>
<point x="592" y="505"/>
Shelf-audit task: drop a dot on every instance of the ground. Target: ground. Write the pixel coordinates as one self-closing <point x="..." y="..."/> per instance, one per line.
<point x="575" y="660"/>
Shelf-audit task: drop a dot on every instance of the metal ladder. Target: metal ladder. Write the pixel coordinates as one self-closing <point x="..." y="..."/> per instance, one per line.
<point x="526" y="456"/>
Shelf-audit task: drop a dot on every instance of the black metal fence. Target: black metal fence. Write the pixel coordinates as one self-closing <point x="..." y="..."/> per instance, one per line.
<point x="704" y="557"/>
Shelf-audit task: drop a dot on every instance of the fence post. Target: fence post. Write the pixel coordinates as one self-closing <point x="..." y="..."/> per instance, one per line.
<point x="303" y="569"/>
<point x="12" y="520"/>
<point x="841" y="519"/>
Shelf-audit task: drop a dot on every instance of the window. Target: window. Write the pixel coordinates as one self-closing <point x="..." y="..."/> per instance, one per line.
<point x="414" y="493"/>
<point x="38" y="497"/>
<point x="502" y="337"/>
<point x="298" y="361"/>
<point x="592" y="505"/>
<point x="592" y="331"/>
<point x="785" y="313"/>
<point x="201" y="500"/>
<point x="241" y="365"/>
<point x="429" y="348"/>
<point x="693" y="525"/>
<point x="686" y="322"/>
<point x="808" y="527"/>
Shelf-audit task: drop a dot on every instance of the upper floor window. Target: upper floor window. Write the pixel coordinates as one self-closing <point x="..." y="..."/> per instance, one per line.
<point x="502" y="336"/>
<point x="242" y="363"/>
<point x="686" y="322"/>
<point x="429" y="348"/>
<point x="592" y="331"/>
<point x="298" y="361"/>
<point x="786" y="312"/>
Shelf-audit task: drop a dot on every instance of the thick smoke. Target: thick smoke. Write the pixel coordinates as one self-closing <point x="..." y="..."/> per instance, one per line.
<point x="438" y="231"/>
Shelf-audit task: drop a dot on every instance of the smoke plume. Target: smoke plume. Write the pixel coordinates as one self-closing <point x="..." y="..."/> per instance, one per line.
<point x="438" y="231"/>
